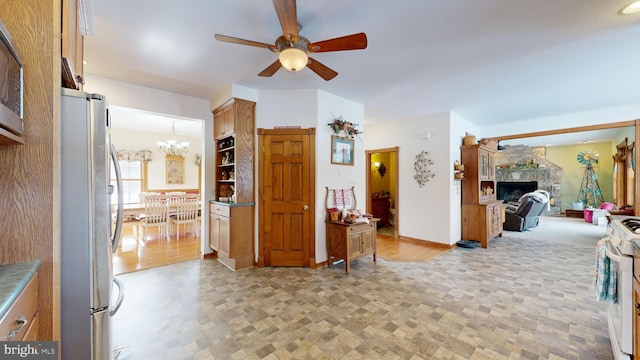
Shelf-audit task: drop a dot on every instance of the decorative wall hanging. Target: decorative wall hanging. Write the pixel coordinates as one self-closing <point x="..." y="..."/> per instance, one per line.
<point x="458" y="170"/>
<point x="421" y="167"/>
<point x="339" y="125"/>
<point x="382" y="169"/>
<point x="198" y="160"/>
<point x="175" y="169"/>
<point x="341" y="150"/>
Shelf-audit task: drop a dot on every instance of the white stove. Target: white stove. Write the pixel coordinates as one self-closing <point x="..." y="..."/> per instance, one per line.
<point x="622" y="229"/>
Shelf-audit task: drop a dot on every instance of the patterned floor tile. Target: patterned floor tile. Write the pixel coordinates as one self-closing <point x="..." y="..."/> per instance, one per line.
<point x="528" y="296"/>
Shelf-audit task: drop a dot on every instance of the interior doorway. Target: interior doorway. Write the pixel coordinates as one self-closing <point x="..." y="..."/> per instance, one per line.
<point x="383" y="190"/>
<point x="286" y="187"/>
<point x="134" y="132"/>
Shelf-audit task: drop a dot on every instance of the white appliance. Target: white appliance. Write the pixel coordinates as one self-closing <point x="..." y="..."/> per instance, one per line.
<point x="89" y="235"/>
<point x="620" y="315"/>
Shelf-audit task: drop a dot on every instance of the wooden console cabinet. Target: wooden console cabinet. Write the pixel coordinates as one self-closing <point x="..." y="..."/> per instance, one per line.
<point x="481" y="211"/>
<point x="350" y="241"/>
<point x="231" y="234"/>
<point x="380" y="209"/>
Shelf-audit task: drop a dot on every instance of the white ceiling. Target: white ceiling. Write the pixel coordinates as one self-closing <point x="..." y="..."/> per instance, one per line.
<point x="490" y="61"/>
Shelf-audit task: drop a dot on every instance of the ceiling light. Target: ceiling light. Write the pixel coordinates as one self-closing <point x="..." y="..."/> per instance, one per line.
<point x="293" y="58"/>
<point x="632" y="8"/>
<point x="172" y="147"/>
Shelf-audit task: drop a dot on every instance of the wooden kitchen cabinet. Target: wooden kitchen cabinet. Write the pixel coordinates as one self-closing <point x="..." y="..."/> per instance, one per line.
<point x="481" y="211"/>
<point x="21" y="322"/>
<point x="350" y="241"/>
<point x="223" y="121"/>
<point x="72" y="51"/>
<point x="231" y="229"/>
<point x="231" y="214"/>
<point x="234" y="134"/>
<point x="231" y="117"/>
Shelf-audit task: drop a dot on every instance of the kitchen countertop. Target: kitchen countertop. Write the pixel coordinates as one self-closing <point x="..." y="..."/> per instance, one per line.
<point x="13" y="279"/>
<point x="231" y="203"/>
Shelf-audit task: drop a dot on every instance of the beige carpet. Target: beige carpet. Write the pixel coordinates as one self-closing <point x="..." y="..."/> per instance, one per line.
<point x="561" y="230"/>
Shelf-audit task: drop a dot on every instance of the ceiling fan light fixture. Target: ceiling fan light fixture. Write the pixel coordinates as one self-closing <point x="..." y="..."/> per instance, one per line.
<point x="293" y="58"/>
<point x="632" y="8"/>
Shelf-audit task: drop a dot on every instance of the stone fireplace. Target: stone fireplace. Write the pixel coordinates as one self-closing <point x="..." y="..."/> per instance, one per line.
<point x="525" y="164"/>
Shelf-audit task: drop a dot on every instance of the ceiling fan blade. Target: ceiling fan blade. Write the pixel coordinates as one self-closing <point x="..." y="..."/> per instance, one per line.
<point x="234" y="40"/>
<point x="287" y="14"/>
<point x="349" y="42"/>
<point x="322" y="70"/>
<point x="271" y="69"/>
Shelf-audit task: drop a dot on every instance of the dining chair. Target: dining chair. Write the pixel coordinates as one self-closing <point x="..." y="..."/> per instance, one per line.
<point x="185" y="212"/>
<point x="155" y="215"/>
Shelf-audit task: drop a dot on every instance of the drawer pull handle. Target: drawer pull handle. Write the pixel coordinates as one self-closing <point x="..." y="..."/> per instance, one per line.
<point x="22" y="321"/>
<point x="638" y="309"/>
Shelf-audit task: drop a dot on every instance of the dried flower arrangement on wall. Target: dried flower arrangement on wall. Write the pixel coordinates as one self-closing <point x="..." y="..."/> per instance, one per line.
<point x="341" y="125"/>
<point x="421" y="167"/>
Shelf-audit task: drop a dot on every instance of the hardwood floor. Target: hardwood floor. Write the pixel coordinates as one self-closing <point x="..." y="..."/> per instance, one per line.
<point x="407" y="249"/>
<point x="133" y="255"/>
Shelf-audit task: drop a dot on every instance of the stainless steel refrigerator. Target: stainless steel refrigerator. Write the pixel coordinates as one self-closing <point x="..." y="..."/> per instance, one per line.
<point x="89" y="232"/>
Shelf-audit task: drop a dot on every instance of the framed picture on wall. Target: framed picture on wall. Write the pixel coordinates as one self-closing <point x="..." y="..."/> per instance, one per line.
<point x="175" y="169"/>
<point x="341" y="150"/>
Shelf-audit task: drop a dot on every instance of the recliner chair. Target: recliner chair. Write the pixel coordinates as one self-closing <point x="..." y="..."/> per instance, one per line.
<point x="525" y="216"/>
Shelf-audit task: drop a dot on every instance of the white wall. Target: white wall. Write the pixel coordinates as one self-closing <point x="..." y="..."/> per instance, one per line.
<point x="313" y="109"/>
<point x="133" y="96"/>
<point x="331" y="175"/>
<point x="156" y="168"/>
<point x="584" y="118"/>
<point x="422" y="210"/>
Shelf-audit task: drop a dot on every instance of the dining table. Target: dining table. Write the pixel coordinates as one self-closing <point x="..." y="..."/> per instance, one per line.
<point x="134" y="210"/>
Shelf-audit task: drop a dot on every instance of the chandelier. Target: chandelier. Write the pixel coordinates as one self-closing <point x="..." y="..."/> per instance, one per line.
<point x="172" y="147"/>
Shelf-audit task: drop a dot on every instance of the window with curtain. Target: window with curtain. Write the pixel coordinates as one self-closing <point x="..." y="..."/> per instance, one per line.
<point x="131" y="181"/>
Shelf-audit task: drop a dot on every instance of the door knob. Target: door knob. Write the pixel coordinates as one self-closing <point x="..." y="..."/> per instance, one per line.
<point x="306" y="207"/>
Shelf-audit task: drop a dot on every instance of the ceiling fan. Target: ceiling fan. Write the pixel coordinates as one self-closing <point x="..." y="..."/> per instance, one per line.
<point x="294" y="49"/>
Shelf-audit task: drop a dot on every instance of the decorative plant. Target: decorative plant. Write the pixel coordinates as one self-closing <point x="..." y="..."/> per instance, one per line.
<point x="341" y="125"/>
<point x="421" y="166"/>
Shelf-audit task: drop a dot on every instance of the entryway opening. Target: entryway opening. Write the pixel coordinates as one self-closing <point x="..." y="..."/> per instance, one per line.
<point x="383" y="190"/>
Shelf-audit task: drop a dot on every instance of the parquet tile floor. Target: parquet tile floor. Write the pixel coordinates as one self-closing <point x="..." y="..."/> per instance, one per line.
<point x="528" y="296"/>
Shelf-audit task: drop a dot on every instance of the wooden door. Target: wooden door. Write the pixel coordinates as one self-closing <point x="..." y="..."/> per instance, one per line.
<point x="214" y="237"/>
<point x="224" y="235"/>
<point x="287" y="197"/>
<point x="355" y="244"/>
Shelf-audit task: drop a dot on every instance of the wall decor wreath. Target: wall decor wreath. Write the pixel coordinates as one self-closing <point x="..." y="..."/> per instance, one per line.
<point x="421" y="166"/>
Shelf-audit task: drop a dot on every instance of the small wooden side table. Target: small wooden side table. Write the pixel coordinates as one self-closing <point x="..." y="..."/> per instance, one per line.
<point x="350" y="241"/>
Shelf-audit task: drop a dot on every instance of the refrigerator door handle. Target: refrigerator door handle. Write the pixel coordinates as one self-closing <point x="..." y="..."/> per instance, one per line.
<point x="120" y="212"/>
<point x="116" y="306"/>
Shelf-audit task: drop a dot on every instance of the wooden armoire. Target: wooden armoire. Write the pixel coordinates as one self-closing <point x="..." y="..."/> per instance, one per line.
<point x="481" y="211"/>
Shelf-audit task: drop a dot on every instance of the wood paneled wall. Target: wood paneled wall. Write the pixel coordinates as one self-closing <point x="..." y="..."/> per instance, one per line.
<point x="29" y="173"/>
